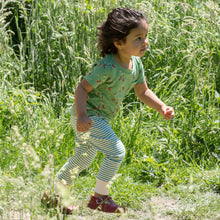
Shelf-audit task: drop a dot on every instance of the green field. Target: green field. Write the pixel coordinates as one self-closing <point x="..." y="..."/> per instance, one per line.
<point x="171" y="169"/>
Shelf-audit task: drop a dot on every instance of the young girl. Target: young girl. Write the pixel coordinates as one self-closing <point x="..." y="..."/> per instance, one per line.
<point x="122" y="40"/>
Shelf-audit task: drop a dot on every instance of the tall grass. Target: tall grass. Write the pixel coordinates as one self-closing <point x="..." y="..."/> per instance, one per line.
<point x="58" y="48"/>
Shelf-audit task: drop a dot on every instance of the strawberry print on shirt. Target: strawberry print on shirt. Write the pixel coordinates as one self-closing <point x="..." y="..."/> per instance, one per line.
<point x="111" y="83"/>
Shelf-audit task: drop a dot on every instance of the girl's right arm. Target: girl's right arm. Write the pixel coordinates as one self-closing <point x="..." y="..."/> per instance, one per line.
<point x="83" y="121"/>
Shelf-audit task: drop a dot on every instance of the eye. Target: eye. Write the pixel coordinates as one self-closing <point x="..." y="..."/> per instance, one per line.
<point x="138" y="39"/>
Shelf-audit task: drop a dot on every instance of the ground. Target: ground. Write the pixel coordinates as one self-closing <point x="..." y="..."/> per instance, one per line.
<point x="156" y="208"/>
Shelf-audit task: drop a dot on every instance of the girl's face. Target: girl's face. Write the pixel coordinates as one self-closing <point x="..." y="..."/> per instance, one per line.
<point x="136" y="42"/>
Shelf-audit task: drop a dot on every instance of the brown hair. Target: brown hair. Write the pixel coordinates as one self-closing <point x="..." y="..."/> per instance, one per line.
<point x="117" y="26"/>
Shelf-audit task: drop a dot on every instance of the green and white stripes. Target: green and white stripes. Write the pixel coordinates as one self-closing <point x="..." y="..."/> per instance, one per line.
<point x="100" y="137"/>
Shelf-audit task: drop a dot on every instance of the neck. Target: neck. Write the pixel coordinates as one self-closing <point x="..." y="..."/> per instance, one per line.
<point x="126" y="62"/>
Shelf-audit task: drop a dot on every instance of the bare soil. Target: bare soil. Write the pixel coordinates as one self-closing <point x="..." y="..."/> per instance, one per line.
<point x="157" y="208"/>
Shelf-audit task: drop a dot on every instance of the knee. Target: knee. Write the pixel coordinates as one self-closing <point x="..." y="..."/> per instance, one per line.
<point x="119" y="154"/>
<point x="122" y="155"/>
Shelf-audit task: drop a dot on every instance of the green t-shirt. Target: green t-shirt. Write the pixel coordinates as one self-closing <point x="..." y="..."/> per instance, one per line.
<point x="111" y="83"/>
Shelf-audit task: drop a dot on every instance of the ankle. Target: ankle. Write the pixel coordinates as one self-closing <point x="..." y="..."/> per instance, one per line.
<point x="97" y="195"/>
<point x="59" y="183"/>
<point x="101" y="188"/>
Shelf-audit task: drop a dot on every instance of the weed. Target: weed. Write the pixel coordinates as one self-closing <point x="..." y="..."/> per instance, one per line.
<point x="165" y="161"/>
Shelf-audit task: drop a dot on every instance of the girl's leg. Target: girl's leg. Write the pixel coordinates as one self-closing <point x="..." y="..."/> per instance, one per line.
<point x="103" y="138"/>
<point x="83" y="156"/>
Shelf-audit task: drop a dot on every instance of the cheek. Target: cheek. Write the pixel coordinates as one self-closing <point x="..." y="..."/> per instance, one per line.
<point x="137" y="44"/>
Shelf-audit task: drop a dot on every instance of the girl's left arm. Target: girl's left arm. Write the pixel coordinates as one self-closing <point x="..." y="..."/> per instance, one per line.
<point x="149" y="98"/>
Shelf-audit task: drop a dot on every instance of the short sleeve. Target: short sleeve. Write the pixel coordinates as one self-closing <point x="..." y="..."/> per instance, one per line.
<point x="140" y="71"/>
<point x="98" y="75"/>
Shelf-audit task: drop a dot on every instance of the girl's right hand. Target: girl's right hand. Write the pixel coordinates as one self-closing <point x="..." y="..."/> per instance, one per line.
<point x="83" y="123"/>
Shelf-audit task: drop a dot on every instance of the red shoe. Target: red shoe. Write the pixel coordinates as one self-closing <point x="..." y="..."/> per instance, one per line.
<point x="48" y="200"/>
<point x="105" y="204"/>
<point x="52" y="201"/>
<point x="68" y="210"/>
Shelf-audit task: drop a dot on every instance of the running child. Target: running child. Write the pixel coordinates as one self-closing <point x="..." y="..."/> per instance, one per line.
<point x="122" y="40"/>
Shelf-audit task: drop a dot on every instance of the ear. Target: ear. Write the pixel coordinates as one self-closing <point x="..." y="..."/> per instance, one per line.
<point x="118" y="43"/>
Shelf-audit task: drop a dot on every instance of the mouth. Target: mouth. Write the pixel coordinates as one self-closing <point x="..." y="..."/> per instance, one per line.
<point x="144" y="49"/>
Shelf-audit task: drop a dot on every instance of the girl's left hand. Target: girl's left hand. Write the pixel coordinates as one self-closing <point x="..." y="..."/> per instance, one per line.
<point x="168" y="112"/>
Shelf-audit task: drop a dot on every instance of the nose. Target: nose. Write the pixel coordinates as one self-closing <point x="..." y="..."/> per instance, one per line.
<point x="146" y="42"/>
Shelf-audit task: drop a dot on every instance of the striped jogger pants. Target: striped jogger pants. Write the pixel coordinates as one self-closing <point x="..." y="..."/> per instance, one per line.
<point x="100" y="137"/>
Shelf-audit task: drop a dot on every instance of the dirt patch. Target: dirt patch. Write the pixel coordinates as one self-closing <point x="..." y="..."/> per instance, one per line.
<point x="157" y="208"/>
<point x="164" y="208"/>
<point x="16" y="215"/>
